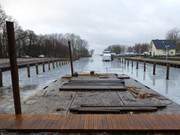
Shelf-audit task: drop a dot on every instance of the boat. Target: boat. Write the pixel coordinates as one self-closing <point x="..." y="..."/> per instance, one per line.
<point x="107" y="56"/>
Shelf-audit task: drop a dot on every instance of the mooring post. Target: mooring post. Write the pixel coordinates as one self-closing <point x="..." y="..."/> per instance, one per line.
<point x="132" y="63"/>
<point x="14" y="67"/>
<point x="53" y="64"/>
<point x="137" y="64"/>
<point x="49" y="65"/>
<point x="28" y="71"/>
<point x="43" y="67"/>
<point x="37" y="70"/>
<point x="144" y="66"/>
<point x="70" y="56"/>
<point x="167" y="72"/>
<point x="154" y="68"/>
<point x="1" y="79"/>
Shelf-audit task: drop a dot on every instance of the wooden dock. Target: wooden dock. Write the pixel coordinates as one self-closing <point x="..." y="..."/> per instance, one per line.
<point x="90" y="123"/>
<point x="157" y="61"/>
<point x="5" y="66"/>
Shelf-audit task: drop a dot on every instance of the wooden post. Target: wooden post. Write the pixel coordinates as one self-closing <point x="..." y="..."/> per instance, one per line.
<point x="49" y="65"/>
<point x="14" y="67"/>
<point x="132" y="63"/>
<point x="70" y="56"/>
<point x="53" y="64"/>
<point x="28" y="71"/>
<point x="37" y="70"/>
<point x="137" y="64"/>
<point x="144" y="66"/>
<point x="154" y="68"/>
<point x="167" y="72"/>
<point x="43" y="67"/>
<point x="1" y="78"/>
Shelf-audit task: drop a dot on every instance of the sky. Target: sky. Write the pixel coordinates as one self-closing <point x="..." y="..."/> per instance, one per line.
<point x="100" y="22"/>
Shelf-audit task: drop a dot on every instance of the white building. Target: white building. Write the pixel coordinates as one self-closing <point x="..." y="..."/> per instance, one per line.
<point x="162" y="48"/>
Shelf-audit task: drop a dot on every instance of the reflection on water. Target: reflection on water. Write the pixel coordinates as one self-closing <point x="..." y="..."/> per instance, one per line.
<point x="169" y="88"/>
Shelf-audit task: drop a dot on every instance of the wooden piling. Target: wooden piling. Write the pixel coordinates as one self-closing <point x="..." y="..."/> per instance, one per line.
<point x="167" y="71"/>
<point x="49" y="65"/>
<point x="144" y="66"/>
<point x="132" y="63"/>
<point x="43" y="67"/>
<point x="70" y="56"/>
<point x="37" y="70"/>
<point x="137" y="64"/>
<point x="1" y="78"/>
<point x="28" y="71"/>
<point x="154" y="68"/>
<point x="53" y="64"/>
<point x="14" y="67"/>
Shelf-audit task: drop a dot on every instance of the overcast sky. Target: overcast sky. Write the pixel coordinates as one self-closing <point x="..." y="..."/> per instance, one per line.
<point x="100" y="22"/>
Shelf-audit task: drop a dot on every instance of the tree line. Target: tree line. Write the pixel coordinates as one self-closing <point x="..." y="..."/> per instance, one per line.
<point x="138" y="48"/>
<point x="28" y="43"/>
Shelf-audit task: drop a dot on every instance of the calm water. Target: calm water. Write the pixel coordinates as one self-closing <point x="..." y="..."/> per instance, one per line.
<point x="169" y="88"/>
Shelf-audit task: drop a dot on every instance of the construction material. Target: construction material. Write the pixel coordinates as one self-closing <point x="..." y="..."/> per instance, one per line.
<point x="91" y="88"/>
<point x="127" y="105"/>
<point x="117" y="110"/>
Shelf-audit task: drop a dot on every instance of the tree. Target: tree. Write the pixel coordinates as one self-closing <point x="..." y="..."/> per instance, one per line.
<point x="174" y="34"/>
<point x="32" y="44"/>
<point x="116" y="49"/>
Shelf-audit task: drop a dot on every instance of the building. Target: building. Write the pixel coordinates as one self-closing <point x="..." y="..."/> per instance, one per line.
<point x="162" y="48"/>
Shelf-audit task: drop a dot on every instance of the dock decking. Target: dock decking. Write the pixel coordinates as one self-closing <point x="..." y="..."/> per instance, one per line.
<point x="90" y="123"/>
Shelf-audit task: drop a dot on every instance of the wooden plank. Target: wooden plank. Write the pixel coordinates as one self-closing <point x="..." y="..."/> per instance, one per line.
<point x="97" y="81"/>
<point x="80" y="87"/>
<point x="112" y="110"/>
<point x="134" y="105"/>
<point x="90" y="123"/>
<point x="96" y="98"/>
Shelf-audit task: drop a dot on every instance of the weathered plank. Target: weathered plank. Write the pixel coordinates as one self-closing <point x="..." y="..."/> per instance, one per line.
<point x="112" y="110"/>
<point x="96" y="98"/>
<point x="134" y="105"/>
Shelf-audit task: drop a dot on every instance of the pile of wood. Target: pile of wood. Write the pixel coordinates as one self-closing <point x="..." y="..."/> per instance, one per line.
<point x="139" y="93"/>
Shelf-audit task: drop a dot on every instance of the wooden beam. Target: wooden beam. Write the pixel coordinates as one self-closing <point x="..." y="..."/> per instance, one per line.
<point x="14" y="67"/>
<point x="70" y="56"/>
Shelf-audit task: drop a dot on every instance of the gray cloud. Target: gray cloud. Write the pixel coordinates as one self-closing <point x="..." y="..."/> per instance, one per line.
<point x="100" y="22"/>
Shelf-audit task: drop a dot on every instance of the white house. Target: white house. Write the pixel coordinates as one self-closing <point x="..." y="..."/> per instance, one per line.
<point x="162" y="48"/>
